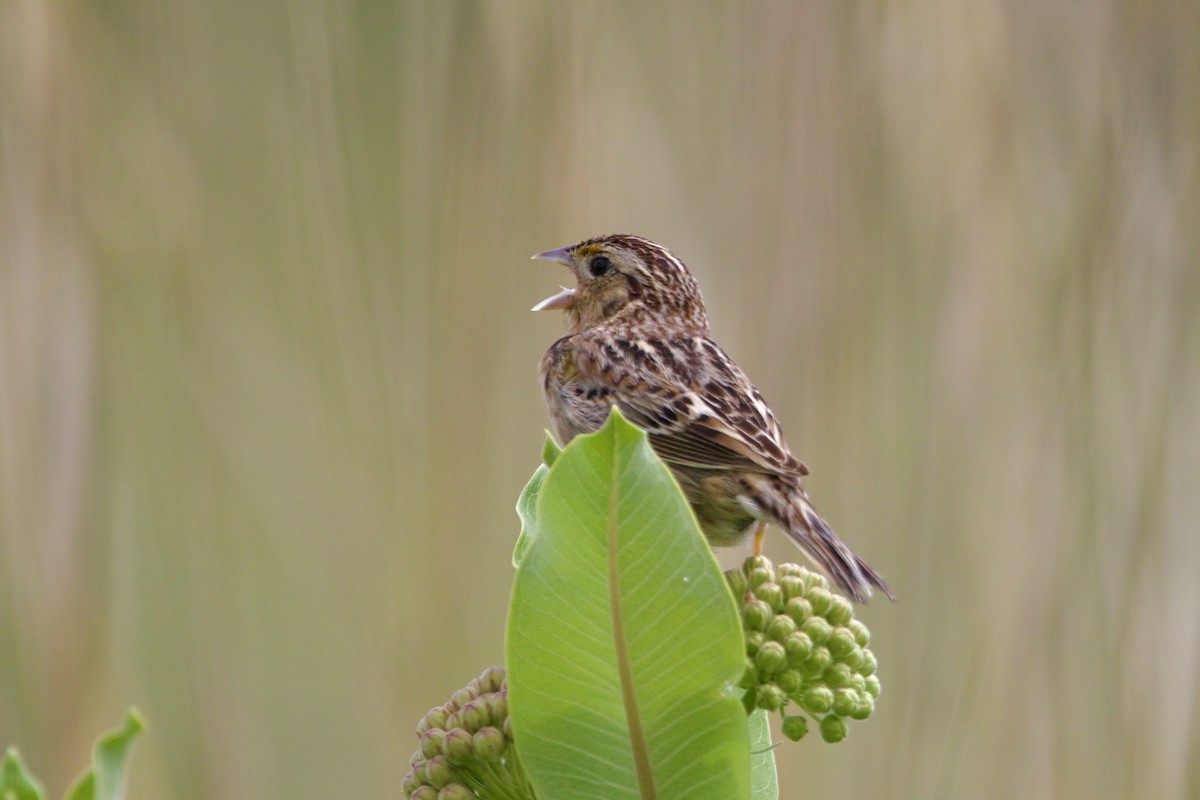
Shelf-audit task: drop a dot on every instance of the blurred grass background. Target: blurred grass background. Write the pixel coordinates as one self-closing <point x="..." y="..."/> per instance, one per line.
<point x="267" y="373"/>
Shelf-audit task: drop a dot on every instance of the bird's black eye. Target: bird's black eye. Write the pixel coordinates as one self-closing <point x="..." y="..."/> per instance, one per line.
<point x="599" y="266"/>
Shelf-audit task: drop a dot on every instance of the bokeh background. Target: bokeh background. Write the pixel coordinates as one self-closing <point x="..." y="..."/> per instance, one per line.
<point x="267" y="370"/>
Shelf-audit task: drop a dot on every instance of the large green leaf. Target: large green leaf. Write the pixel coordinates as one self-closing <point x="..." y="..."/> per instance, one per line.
<point x="623" y="642"/>
<point x="105" y="780"/>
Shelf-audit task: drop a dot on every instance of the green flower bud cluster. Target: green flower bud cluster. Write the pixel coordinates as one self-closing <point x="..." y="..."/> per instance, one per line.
<point x="467" y="748"/>
<point x="803" y="646"/>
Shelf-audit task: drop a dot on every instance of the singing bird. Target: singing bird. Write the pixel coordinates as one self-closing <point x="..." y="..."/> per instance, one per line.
<point x="638" y="339"/>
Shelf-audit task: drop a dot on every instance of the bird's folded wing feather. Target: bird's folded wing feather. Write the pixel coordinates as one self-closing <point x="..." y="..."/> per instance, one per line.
<point x="686" y="429"/>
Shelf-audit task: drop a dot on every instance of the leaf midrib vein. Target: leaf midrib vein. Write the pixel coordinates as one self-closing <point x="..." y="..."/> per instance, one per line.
<point x="637" y="737"/>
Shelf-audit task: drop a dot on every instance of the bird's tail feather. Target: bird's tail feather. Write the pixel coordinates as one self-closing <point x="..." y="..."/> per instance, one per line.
<point x="784" y="501"/>
<point x="853" y="575"/>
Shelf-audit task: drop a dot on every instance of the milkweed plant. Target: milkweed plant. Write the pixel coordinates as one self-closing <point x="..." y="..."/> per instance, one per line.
<point x="633" y="667"/>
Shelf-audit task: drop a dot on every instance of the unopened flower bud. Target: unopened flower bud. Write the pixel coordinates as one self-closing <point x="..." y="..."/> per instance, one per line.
<point x="489" y="744"/>
<point x="816" y="580"/>
<point x="434" y="718"/>
<point x="780" y="628"/>
<point x="790" y="680"/>
<point x="758" y="562"/>
<point x="749" y="675"/>
<point x="491" y="679"/>
<point x="456" y="746"/>
<point x="456" y="791"/>
<point x="792" y="586"/>
<point x="818" y="661"/>
<point x="833" y="728"/>
<point x="864" y="708"/>
<point x="770" y="697"/>
<point x="841" y="642"/>
<point x="424" y="792"/>
<point x="474" y="715"/>
<point x="439" y="773"/>
<point x="754" y="640"/>
<point x="770" y="658"/>
<point x="799" y="609"/>
<point x="840" y="611"/>
<point x="461" y="698"/>
<point x="756" y="614"/>
<point x="431" y="742"/>
<point x="738" y="584"/>
<point x="497" y="706"/>
<point x="844" y="702"/>
<point x="838" y="675"/>
<point x="868" y="665"/>
<point x="798" y="648"/>
<point x="771" y="594"/>
<point x="861" y="635"/>
<point x="788" y="568"/>
<point x="412" y="779"/>
<point x="873" y="686"/>
<point x="854" y="658"/>
<point x="821" y="599"/>
<point x="795" y="727"/>
<point x="757" y="577"/>
<point x="506" y="728"/>
<point x="817" y="629"/>
<point x="817" y="700"/>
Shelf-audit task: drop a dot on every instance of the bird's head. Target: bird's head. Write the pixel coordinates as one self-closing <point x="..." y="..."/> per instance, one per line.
<point x="626" y="279"/>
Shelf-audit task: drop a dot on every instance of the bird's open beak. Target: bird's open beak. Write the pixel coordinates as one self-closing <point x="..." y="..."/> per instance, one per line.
<point x="565" y="298"/>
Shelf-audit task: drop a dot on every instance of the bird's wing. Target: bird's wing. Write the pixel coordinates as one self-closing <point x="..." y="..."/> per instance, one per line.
<point x="698" y="408"/>
<point x="686" y="429"/>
